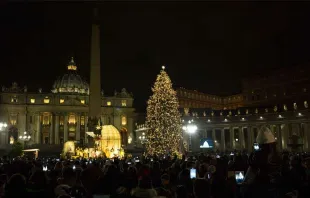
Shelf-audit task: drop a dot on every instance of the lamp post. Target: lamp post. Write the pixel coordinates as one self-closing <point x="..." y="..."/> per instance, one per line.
<point x="3" y="126"/>
<point x="25" y="138"/>
<point x="142" y="138"/>
<point x="190" y="128"/>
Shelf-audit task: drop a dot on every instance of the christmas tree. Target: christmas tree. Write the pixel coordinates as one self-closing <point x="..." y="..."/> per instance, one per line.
<point x="163" y="118"/>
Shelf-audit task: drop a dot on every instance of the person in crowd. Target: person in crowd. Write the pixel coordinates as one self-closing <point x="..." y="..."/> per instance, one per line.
<point x="166" y="190"/>
<point x="307" y="168"/>
<point x="264" y="172"/>
<point x="16" y="187"/>
<point x="38" y="185"/>
<point x="267" y="175"/>
<point x="65" y="182"/>
<point x="181" y="192"/>
<point x="145" y="188"/>
<point x="3" y="181"/>
<point x="201" y="188"/>
<point x="155" y="173"/>
<point x="107" y="183"/>
<point x="186" y="181"/>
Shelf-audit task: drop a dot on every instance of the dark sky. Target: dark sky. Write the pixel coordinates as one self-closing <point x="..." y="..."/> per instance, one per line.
<point x="208" y="46"/>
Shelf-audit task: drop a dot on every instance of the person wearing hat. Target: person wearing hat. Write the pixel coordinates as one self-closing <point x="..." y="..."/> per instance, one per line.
<point x="145" y="188"/>
<point x="165" y="189"/>
<point x="264" y="170"/>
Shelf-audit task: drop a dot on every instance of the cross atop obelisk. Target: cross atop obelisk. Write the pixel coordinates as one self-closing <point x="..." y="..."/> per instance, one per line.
<point x="95" y="80"/>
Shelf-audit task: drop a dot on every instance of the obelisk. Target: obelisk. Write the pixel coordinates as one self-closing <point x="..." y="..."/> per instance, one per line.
<point x="95" y="80"/>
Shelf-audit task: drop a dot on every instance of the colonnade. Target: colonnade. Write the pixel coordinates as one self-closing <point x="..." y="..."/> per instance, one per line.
<point x="58" y="130"/>
<point x="235" y="136"/>
<point x="59" y="127"/>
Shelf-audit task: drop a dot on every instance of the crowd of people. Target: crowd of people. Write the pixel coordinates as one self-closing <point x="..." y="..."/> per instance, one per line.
<point x="262" y="173"/>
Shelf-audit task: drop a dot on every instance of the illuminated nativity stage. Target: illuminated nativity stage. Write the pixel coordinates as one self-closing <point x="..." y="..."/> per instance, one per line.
<point x="108" y="145"/>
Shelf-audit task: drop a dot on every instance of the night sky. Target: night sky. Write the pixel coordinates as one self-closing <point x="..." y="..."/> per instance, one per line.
<point x="206" y="46"/>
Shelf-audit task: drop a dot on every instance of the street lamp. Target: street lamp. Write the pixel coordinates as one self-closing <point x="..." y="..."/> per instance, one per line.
<point x="3" y="125"/>
<point x="142" y="138"/>
<point x="190" y="129"/>
<point x="26" y="137"/>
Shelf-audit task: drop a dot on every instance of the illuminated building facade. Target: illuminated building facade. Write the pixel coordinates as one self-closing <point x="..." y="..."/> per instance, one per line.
<point x="194" y="99"/>
<point x="62" y="114"/>
<point x="278" y="87"/>
<point x="279" y="100"/>
<point x="238" y="129"/>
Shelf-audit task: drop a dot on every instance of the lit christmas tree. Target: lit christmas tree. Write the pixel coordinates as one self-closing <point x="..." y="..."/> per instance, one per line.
<point x="163" y="119"/>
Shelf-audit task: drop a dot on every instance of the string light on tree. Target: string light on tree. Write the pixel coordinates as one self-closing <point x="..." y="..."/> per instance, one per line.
<point x="163" y="118"/>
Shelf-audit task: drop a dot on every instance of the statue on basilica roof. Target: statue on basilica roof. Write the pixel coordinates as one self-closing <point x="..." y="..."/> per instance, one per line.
<point x="14" y="88"/>
<point x="285" y="107"/>
<point x="123" y="94"/>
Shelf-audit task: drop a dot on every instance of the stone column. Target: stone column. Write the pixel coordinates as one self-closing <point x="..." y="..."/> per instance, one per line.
<point x="250" y="138"/>
<point x="6" y="116"/>
<point x="290" y="130"/>
<point x="21" y="122"/>
<point x="51" y="132"/>
<point x="232" y="137"/>
<point x="241" y="136"/>
<point x="28" y="124"/>
<point x="56" y="129"/>
<point x="294" y="129"/>
<point x="86" y="129"/>
<point x="285" y="135"/>
<point x="116" y="119"/>
<point x="78" y="128"/>
<point x="304" y="136"/>
<point x="3" y="137"/>
<point x="307" y="136"/>
<point x="301" y="133"/>
<point x="223" y="147"/>
<point x="279" y="137"/>
<point x="130" y="127"/>
<point x="38" y="129"/>
<point x="65" y="128"/>
<point x="214" y="139"/>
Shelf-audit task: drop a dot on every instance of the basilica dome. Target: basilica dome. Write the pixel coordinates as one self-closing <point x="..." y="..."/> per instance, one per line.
<point x="71" y="82"/>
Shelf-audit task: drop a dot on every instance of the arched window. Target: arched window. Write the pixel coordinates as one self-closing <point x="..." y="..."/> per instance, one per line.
<point x="13" y="119"/>
<point x="72" y="119"/>
<point x="61" y="120"/>
<point x="82" y="120"/>
<point x="46" y="119"/>
<point x="124" y="120"/>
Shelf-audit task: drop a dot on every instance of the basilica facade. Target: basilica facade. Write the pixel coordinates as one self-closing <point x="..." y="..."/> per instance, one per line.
<point x="60" y="115"/>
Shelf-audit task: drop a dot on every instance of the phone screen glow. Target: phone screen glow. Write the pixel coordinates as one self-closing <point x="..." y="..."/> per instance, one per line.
<point x="193" y="173"/>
